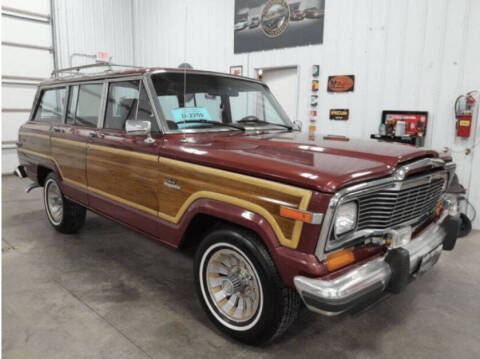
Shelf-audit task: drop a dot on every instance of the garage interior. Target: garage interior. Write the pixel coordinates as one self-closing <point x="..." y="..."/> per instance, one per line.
<point x="109" y="292"/>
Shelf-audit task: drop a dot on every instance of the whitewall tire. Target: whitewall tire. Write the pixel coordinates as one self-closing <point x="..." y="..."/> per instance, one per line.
<point x="239" y="287"/>
<point x="63" y="214"/>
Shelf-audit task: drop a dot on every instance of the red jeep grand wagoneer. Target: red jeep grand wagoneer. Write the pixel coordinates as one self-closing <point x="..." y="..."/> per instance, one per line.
<point x="278" y="217"/>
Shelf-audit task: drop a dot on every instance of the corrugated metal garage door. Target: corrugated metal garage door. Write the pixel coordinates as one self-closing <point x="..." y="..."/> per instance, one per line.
<point x="27" y="57"/>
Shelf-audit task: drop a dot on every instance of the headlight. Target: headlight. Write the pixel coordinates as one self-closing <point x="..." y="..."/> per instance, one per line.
<point x="346" y="218"/>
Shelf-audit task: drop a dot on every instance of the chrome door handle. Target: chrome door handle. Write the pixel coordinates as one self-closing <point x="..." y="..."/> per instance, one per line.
<point x="96" y="135"/>
<point x="58" y="130"/>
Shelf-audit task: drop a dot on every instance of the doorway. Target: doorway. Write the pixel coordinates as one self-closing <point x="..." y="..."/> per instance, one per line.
<point x="283" y="82"/>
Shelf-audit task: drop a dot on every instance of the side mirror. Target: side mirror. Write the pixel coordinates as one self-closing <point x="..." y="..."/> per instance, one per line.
<point x="297" y="125"/>
<point x="140" y="128"/>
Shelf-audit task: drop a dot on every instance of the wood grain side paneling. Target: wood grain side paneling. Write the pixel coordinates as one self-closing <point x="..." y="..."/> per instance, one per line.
<point x="139" y="181"/>
<point x="257" y="195"/>
<point x="71" y="159"/>
<point x="125" y="176"/>
<point x="35" y="142"/>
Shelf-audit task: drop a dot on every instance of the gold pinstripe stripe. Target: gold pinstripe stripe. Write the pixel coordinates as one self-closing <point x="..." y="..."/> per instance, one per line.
<point x="284" y="188"/>
<point x="252" y="207"/>
<point x="68" y="142"/>
<point x="21" y="133"/>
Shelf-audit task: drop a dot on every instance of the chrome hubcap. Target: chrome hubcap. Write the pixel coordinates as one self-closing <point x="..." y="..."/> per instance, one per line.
<point x="54" y="202"/>
<point x="233" y="285"/>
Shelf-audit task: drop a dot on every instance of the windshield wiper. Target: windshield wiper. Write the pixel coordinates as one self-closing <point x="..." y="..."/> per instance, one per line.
<point x="255" y="119"/>
<point x="218" y="123"/>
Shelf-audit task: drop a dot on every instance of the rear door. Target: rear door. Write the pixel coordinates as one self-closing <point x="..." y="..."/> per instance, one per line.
<point x="34" y="136"/>
<point x="122" y="170"/>
<point x="70" y="138"/>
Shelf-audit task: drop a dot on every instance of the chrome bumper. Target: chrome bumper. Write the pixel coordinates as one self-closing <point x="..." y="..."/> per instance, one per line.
<point x="370" y="280"/>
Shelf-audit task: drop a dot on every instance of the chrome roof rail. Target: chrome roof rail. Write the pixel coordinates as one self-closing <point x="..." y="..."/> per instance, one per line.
<point x="75" y="70"/>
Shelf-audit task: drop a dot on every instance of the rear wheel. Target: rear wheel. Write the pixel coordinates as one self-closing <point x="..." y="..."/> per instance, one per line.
<point x="240" y="289"/>
<point x="64" y="215"/>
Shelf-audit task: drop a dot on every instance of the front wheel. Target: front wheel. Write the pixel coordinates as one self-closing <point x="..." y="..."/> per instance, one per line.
<point x="64" y="215"/>
<point x="240" y="289"/>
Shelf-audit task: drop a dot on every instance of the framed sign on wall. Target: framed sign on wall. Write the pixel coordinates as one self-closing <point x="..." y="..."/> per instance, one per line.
<point x="339" y="114"/>
<point x="341" y="83"/>
<point x="273" y="24"/>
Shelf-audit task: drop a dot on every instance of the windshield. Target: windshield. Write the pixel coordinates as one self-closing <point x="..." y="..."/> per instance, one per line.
<point x="197" y="101"/>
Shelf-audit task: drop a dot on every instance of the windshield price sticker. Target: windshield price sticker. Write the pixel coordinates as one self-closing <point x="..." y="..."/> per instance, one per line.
<point x="190" y="114"/>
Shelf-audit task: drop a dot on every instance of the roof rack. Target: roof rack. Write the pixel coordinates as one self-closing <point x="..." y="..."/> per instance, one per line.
<point x="75" y="70"/>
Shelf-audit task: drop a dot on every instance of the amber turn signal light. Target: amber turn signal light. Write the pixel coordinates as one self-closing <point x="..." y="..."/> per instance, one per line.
<point x="296" y="214"/>
<point x="339" y="259"/>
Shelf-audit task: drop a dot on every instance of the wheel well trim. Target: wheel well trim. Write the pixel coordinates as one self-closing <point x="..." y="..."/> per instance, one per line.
<point x="288" y="261"/>
<point x="245" y="205"/>
<point x="54" y="164"/>
<point x="231" y="213"/>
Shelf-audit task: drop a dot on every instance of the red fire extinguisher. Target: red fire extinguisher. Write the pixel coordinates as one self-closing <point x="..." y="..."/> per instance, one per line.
<point x="464" y="107"/>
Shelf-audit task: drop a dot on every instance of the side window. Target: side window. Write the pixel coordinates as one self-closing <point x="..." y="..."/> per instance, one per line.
<point x="72" y="105"/>
<point x="88" y="105"/>
<point x="51" y="106"/>
<point x="145" y="111"/>
<point x="122" y="104"/>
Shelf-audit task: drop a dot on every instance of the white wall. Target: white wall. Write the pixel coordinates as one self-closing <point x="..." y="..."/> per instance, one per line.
<point x="89" y="26"/>
<point x="17" y="97"/>
<point x="412" y="55"/>
<point x="85" y="26"/>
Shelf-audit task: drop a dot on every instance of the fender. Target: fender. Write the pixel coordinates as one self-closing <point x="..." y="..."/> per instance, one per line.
<point x="289" y="262"/>
<point x="31" y="166"/>
<point x="70" y="189"/>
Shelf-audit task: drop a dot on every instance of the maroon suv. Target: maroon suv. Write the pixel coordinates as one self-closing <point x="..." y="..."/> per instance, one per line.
<point x="278" y="217"/>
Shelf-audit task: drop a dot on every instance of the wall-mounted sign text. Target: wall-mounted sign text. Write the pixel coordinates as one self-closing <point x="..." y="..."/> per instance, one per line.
<point x="339" y="114"/>
<point x="342" y="83"/>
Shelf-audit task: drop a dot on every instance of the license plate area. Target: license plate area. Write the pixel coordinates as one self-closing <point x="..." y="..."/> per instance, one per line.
<point x="429" y="260"/>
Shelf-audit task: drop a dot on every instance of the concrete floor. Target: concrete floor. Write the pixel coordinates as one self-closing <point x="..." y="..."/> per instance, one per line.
<point x="110" y="293"/>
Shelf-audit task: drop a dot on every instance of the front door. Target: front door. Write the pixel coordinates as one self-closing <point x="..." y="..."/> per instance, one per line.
<point x="69" y="139"/>
<point x="122" y="170"/>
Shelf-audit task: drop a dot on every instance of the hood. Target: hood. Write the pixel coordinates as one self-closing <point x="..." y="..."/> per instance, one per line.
<point x="323" y="163"/>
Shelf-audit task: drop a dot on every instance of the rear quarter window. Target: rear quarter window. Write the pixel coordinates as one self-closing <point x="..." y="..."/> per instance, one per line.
<point x="51" y="106"/>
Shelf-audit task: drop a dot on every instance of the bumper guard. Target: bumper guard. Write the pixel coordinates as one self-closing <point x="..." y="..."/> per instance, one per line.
<point x="368" y="281"/>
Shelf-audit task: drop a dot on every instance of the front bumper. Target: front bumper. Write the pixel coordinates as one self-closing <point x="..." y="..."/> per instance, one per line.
<point x="389" y="273"/>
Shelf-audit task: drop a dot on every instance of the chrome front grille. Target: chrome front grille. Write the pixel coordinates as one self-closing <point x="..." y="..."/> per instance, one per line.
<point x="389" y="208"/>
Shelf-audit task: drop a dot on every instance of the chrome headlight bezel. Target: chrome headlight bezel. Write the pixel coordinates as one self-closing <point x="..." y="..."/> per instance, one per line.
<point x="336" y="241"/>
<point x="348" y="214"/>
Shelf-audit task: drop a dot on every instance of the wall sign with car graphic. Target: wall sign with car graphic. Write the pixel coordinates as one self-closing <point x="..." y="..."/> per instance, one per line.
<point x="272" y="24"/>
